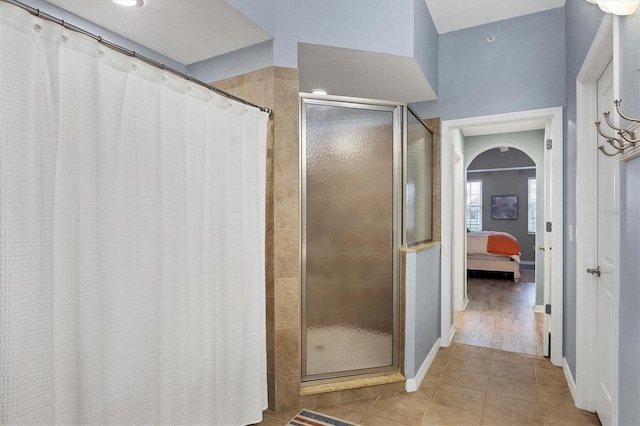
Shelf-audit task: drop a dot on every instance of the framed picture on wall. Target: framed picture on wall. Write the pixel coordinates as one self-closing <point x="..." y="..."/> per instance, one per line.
<point x="504" y="207"/>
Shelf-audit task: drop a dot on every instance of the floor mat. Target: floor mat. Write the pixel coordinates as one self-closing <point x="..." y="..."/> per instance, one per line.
<point x="312" y="418"/>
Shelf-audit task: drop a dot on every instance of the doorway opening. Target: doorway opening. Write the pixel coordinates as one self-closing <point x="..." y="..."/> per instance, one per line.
<point x="504" y="210"/>
<point x="455" y="134"/>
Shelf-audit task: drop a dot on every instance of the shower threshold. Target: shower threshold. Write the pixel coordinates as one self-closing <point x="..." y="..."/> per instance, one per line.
<point x="346" y="383"/>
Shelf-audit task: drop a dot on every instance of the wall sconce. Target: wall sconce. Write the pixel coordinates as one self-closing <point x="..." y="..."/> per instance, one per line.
<point x="627" y="139"/>
<point x="617" y="7"/>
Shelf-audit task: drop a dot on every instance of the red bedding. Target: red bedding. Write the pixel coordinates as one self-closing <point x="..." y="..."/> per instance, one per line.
<point x="493" y="242"/>
<point x="502" y="243"/>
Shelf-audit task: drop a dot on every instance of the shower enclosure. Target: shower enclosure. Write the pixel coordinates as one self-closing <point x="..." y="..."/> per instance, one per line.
<point x="351" y="231"/>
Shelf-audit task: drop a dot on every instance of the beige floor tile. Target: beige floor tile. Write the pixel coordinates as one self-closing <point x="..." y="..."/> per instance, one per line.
<point x="564" y="417"/>
<point x="448" y="349"/>
<point x="520" y="411"/>
<point x="374" y="420"/>
<point x="271" y="421"/>
<point x="551" y="377"/>
<point x="442" y="358"/>
<point x="342" y="413"/>
<point x="514" y="388"/>
<point x="513" y="371"/>
<point x="511" y="390"/>
<point x="364" y="404"/>
<point x="466" y="379"/>
<point x="425" y="392"/>
<point x="441" y="415"/>
<point x="400" y="408"/>
<point x="435" y="373"/>
<point x="283" y="415"/>
<point x="469" y="363"/>
<point x="460" y="398"/>
<point x="556" y="397"/>
<point x="493" y="419"/>
<point x="511" y="358"/>
<point x="544" y="363"/>
<point x="473" y="352"/>
<point x="592" y="418"/>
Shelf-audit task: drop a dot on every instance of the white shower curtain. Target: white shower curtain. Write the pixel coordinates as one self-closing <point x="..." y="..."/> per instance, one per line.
<point x="131" y="239"/>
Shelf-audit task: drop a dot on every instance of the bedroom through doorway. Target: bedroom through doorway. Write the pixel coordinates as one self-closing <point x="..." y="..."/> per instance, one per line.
<point x="504" y="195"/>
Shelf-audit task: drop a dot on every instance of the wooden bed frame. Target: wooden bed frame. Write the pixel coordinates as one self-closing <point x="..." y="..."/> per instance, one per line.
<point x="506" y="265"/>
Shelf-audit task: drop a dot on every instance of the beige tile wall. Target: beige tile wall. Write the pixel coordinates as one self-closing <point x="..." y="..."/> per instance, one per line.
<point x="277" y="88"/>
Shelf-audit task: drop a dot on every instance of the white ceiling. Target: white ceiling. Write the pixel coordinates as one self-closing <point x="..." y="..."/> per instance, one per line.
<point x="187" y="31"/>
<point x="362" y="74"/>
<point x="453" y="15"/>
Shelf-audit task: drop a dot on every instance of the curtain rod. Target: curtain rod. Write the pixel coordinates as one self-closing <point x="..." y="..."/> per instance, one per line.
<point x="131" y="53"/>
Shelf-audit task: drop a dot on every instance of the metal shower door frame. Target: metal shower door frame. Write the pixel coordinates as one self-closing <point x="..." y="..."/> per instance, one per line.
<point x="397" y="158"/>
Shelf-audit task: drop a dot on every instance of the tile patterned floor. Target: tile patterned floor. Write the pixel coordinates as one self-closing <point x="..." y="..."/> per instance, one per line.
<point x="500" y="315"/>
<point x="468" y="385"/>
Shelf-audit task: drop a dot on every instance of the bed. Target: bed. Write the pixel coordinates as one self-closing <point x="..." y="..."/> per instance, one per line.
<point x="494" y="252"/>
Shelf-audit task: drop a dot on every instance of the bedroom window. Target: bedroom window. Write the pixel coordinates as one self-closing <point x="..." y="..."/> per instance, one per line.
<point x="532" y="205"/>
<point x="474" y="205"/>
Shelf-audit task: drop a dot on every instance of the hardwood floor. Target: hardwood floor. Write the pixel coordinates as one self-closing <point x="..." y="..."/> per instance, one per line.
<point x="500" y="315"/>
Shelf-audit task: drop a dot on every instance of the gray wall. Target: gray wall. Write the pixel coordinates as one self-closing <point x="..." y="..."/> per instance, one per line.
<point x="508" y="183"/>
<point x="629" y="333"/>
<point x="239" y="61"/>
<point x="423" y="307"/>
<point x="523" y="69"/>
<point x="425" y="43"/>
<point x="495" y="159"/>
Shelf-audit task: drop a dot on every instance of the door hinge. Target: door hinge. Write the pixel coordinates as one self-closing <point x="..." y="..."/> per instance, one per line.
<point x="549" y="227"/>
<point x="549" y="143"/>
<point x="547" y="309"/>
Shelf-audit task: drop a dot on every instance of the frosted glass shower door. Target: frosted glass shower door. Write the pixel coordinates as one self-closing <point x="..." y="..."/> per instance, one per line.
<point x="348" y="299"/>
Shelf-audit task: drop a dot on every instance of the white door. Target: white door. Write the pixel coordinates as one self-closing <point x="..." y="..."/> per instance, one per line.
<point x="607" y="222"/>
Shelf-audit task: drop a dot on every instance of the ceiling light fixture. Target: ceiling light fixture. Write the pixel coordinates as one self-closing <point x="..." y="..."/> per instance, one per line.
<point x="129" y="3"/>
<point x="617" y="7"/>
<point x="319" y="92"/>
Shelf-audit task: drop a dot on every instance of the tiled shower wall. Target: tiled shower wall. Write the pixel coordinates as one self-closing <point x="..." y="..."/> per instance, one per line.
<point x="277" y="88"/>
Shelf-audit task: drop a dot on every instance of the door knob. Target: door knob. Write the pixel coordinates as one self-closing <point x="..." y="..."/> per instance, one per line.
<point x="541" y="248"/>
<point x="595" y="272"/>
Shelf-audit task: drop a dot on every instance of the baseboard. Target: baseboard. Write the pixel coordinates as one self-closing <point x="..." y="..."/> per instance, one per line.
<point x="452" y="332"/>
<point x="569" y="377"/>
<point x="465" y="303"/>
<point x="539" y="308"/>
<point x="412" y="385"/>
